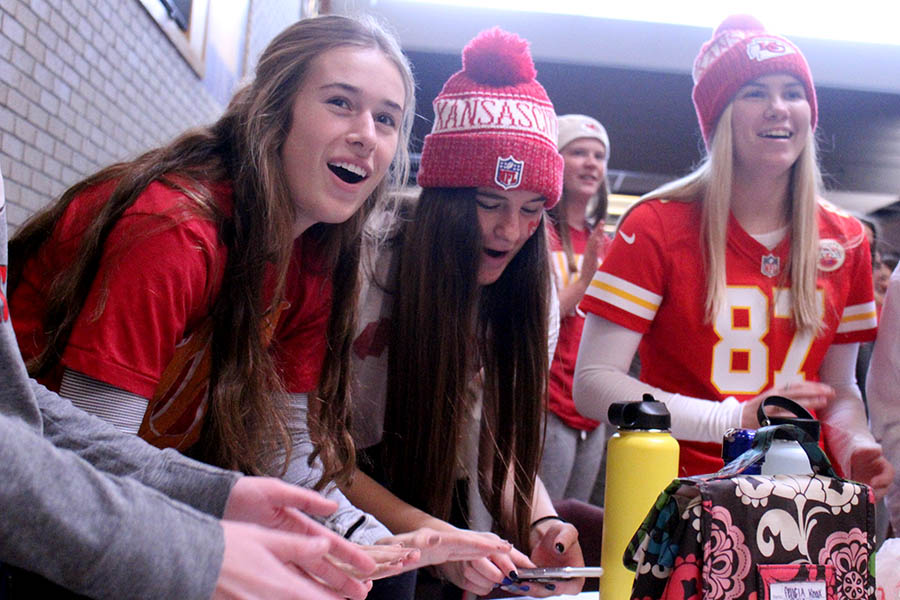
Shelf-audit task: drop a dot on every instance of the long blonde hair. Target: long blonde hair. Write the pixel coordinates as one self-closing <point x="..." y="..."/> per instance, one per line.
<point x="711" y="183"/>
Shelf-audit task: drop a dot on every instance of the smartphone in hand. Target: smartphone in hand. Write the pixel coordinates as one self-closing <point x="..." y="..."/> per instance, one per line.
<point x="550" y="574"/>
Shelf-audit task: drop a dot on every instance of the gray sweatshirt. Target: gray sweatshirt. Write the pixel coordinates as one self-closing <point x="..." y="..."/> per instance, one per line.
<point x="97" y="511"/>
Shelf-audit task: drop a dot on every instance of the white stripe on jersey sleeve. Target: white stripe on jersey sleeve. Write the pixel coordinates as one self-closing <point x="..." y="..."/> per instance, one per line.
<point x="625" y="295"/>
<point x="858" y="317"/>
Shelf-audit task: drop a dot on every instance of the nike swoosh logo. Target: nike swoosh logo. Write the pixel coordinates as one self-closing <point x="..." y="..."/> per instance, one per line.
<point x="629" y="239"/>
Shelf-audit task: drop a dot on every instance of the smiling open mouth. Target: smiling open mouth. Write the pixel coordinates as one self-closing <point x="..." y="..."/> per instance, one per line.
<point x="347" y="172"/>
<point x="777" y="135"/>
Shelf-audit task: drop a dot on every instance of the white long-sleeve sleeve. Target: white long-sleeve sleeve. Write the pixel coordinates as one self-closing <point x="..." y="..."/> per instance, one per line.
<point x="601" y="378"/>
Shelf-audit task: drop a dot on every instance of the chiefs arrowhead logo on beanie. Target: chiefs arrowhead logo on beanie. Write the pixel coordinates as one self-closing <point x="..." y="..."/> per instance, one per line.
<point x="494" y="125"/>
<point x="740" y="51"/>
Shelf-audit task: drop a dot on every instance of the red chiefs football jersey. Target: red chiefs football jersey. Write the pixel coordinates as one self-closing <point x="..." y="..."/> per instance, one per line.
<point x="562" y="369"/>
<point x="653" y="281"/>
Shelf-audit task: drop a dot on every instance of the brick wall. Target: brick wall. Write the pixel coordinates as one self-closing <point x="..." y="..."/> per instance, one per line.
<point x="85" y="83"/>
<point x="267" y="19"/>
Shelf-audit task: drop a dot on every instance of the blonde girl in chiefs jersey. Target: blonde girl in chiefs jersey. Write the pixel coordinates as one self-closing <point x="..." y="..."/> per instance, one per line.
<point x="738" y="281"/>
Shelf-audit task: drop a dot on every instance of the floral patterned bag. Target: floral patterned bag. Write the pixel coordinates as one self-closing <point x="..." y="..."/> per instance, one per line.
<point x="781" y="537"/>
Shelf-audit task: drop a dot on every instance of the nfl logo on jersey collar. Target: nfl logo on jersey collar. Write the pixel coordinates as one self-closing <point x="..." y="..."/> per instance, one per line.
<point x="831" y="255"/>
<point x="508" y="173"/>
<point x="770" y="265"/>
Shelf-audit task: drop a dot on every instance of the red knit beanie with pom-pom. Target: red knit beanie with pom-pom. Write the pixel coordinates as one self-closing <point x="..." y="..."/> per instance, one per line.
<point x="740" y="51"/>
<point x="494" y="125"/>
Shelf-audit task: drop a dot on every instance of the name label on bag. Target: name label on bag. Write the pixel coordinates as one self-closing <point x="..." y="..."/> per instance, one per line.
<point x="798" y="590"/>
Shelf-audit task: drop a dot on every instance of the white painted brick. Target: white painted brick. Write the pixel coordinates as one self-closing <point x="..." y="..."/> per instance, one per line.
<point x="26" y="16"/>
<point x="23" y="61"/>
<point x="7" y="119"/>
<point x="46" y="34"/>
<point x="77" y="103"/>
<point x="56" y="128"/>
<point x="21" y="173"/>
<point x="38" y="117"/>
<point x="5" y="163"/>
<point x="30" y="89"/>
<point x="25" y="131"/>
<point x="34" y="159"/>
<point x="17" y="102"/>
<point x="10" y="75"/>
<point x="73" y="140"/>
<point x="42" y="185"/>
<point x="13" y="29"/>
<point x="40" y="8"/>
<point x="12" y="189"/>
<point x="70" y="177"/>
<point x="62" y="90"/>
<point x="15" y="215"/>
<point x="49" y="101"/>
<point x="52" y="167"/>
<point x="43" y="77"/>
<point x="81" y="6"/>
<point x="31" y="199"/>
<point x="58" y="23"/>
<point x="64" y="154"/>
<point x="44" y="142"/>
<point x="12" y="146"/>
<point x="6" y="47"/>
<point x="35" y="47"/>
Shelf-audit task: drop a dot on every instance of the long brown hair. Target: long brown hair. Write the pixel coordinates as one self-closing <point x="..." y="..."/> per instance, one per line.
<point x="245" y="427"/>
<point x="444" y="327"/>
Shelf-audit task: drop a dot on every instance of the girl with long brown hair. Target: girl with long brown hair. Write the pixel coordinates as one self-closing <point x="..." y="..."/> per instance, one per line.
<point x="197" y="294"/>
<point x="739" y="281"/>
<point x="451" y="355"/>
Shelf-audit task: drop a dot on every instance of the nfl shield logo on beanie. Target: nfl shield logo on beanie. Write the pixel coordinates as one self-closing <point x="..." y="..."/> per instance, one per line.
<point x="509" y="172"/>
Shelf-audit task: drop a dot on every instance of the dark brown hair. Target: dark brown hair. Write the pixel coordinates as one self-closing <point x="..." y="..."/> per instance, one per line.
<point x="245" y="427"/>
<point x="445" y="327"/>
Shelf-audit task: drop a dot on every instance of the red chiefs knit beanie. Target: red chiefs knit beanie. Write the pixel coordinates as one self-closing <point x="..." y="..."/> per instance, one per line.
<point x="494" y="125"/>
<point x="741" y="50"/>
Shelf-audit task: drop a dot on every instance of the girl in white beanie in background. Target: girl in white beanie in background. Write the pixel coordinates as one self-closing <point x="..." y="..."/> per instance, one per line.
<point x="574" y="444"/>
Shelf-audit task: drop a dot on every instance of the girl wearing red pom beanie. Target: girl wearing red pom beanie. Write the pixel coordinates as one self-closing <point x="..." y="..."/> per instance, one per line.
<point x="452" y="353"/>
<point x="739" y="281"/>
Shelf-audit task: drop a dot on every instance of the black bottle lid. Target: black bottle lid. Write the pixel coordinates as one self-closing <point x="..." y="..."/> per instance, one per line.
<point x="644" y="415"/>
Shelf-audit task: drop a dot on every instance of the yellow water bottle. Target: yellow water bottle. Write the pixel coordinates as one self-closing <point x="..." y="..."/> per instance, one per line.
<point x="641" y="460"/>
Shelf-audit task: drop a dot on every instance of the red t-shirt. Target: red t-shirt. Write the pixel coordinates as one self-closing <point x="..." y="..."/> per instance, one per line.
<point x="160" y="271"/>
<point x="653" y="282"/>
<point x="562" y="369"/>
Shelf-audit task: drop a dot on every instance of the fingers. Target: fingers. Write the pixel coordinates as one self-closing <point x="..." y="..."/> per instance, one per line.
<point x="260" y="563"/>
<point x="558" y="537"/>
<point x="486" y="574"/>
<point x="478" y="576"/>
<point x="868" y="465"/>
<point x="811" y="395"/>
<point x="449" y="546"/>
<point x="308" y="501"/>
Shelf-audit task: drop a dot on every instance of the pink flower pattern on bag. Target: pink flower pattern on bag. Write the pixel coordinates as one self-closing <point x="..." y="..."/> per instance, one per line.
<point x="728" y="558"/>
<point x="848" y="552"/>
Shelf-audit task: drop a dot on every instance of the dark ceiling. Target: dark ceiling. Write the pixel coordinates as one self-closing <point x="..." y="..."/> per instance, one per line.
<point x="653" y="130"/>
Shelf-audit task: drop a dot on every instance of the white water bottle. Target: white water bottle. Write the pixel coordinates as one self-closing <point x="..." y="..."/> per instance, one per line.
<point x="786" y="456"/>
